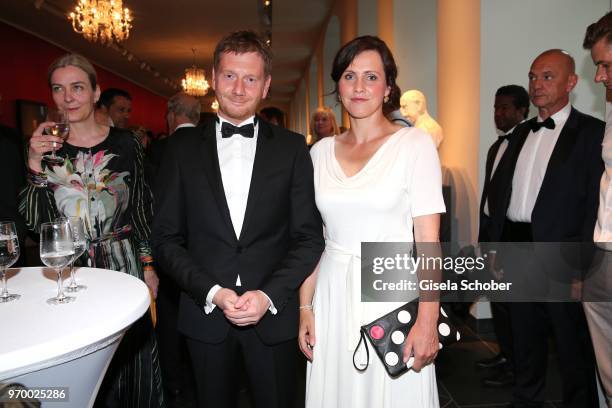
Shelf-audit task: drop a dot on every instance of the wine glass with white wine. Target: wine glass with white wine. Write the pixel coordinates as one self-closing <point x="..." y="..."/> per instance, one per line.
<point x="9" y="253"/>
<point x="80" y="245"/>
<point x="61" y="129"/>
<point x="56" y="251"/>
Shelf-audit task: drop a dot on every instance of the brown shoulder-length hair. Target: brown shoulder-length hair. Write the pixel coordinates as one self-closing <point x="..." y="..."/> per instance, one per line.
<point x="350" y="50"/>
<point x="74" y="60"/>
<point x="240" y="42"/>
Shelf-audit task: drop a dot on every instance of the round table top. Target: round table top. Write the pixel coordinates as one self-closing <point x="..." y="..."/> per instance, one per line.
<point x="35" y="335"/>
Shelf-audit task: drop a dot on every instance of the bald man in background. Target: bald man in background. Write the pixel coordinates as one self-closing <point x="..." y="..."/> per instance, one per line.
<point x="547" y="191"/>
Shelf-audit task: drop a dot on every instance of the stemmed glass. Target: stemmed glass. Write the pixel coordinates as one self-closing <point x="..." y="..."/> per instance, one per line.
<point x="80" y="244"/>
<point x="56" y="251"/>
<point x="61" y="128"/>
<point x="9" y="253"/>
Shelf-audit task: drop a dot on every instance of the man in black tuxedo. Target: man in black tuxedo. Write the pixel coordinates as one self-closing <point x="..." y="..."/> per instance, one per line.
<point x="545" y="190"/>
<point x="238" y="229"/>
<point x="511" y="108"/>
<point x="183" y="114"/>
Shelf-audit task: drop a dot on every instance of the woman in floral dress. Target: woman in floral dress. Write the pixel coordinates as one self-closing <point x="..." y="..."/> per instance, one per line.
<point x="101" y="181"/>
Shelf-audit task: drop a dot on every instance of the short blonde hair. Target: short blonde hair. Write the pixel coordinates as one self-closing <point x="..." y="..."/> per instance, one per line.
<point x="74" y="60"/>
<point x="326" y="110"/>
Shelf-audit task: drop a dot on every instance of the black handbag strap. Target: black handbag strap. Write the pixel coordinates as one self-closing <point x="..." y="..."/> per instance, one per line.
<point x="365" y="343"/>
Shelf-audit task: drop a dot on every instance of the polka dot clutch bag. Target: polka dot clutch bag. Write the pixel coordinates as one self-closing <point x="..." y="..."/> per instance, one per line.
<point x="388" y="333"/>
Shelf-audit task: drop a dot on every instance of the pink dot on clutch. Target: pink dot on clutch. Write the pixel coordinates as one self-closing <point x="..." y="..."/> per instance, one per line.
<point x="377" y="332"/>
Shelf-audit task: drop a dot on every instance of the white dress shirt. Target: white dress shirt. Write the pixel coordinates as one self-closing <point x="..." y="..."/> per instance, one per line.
<point x="500" y="152"/>
<point x="531" y="167"/>
<point x="236" y="157"/>
<point x="603" y="227"/>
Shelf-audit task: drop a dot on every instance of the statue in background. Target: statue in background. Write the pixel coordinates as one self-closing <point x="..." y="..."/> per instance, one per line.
<point x="413" y="107"/>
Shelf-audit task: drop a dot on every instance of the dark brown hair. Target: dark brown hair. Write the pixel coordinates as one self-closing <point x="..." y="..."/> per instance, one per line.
<point x="596" y="31"/>
<point x="240" y="42"/>
<point x="350" y="50"/>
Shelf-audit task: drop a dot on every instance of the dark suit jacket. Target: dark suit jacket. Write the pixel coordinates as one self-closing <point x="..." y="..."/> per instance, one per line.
<point x="194" y="241"/>
<point x="155" y="154"/>
<point x="483" y="235"/>
<point x="566" y="206"/>
<point x="12" y="169"/>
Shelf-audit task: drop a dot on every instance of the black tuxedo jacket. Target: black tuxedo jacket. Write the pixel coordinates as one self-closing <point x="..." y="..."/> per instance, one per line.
<point x="483" y="235"/>
<point x="195" y="243"/>
<point x="157" y="149"/>
<point x="566" y="206"/>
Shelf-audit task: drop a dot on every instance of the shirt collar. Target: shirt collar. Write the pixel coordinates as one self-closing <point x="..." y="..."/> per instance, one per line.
<point x="184" y="125"/>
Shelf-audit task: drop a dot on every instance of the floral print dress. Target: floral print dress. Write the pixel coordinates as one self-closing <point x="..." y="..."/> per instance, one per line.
<point x="104" y="186"/>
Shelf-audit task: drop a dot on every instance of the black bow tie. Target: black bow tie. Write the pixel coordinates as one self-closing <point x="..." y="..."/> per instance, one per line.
<point x="501" y="138"/>
<point x="228" y="130"/>
<point x="549" y="123"/>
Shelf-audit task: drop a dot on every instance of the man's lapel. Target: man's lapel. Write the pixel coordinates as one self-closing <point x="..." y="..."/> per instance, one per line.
<point x="562" y="150"/>
<point x="500" y="187"/>
<point x="488" y="167"/>
<point x="263" y="156"/>
<point x="210" y="161"/>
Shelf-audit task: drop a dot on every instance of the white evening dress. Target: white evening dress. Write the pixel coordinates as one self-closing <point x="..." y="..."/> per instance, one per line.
<point x="402" y="180"/>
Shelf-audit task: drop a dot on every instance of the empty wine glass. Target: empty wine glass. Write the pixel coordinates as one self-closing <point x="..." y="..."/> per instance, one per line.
<point x="80" y="244"/>
<point x="61" y="128"/>
<point x="56" y="251"/>
<point x="9" y="253"/>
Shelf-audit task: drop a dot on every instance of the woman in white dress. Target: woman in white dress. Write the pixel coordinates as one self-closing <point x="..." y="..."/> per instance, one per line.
<point x="373" y="183"/>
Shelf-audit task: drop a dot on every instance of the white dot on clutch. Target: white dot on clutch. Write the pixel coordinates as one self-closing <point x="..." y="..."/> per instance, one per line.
<point x="391" y="358"/>
<point x="458" y="336"/>
<point x="443" y="312"/>
<point x="444" y="329"/>
<point x="404" y="317"/>
<point x="397" y="337"/>
<point x="440" y="346"/>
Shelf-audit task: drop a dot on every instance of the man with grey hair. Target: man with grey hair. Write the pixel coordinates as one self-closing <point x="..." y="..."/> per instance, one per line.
<point x="183" y="111"/>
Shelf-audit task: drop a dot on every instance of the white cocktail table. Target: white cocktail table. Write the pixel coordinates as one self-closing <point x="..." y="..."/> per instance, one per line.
<point x="67" y="345"/>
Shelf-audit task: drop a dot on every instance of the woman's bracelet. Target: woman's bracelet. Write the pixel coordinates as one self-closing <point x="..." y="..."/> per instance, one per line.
<point x="307" y="307"/>
<point x="37" y="179"/>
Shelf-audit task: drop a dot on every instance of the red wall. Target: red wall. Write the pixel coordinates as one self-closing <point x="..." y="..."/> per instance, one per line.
<point x="23" y="72"/>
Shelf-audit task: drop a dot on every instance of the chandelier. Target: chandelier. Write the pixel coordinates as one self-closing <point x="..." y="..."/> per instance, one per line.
<point x="102" y="20"/>
<point x="195" y="83"/>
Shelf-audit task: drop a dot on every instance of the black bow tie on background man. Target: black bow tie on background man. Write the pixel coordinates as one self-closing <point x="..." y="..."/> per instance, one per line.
<point x="549" y="123"/>
<point x="503" y="137"/>
<point x="228" y="130"/>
